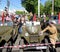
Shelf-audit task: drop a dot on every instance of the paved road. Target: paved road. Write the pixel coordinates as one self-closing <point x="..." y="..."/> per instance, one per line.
<point x="34" y="50"/>
<point x="17" y="49"/>
<point x="58" y="49"/>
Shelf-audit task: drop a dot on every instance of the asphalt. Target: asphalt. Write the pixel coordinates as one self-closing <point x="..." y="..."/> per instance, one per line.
<point x="31" y="50"/>
<point x="58" y="50"/>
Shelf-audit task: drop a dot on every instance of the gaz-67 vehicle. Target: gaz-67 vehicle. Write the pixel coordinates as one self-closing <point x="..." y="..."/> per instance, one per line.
<point x="30" y="34"/>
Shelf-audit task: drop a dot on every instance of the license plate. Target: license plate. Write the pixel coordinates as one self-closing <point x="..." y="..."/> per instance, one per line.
<point x="41" y="47"/>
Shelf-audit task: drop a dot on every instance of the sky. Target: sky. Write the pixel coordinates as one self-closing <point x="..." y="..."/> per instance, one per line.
<point x="43" y="1"/>
<point x="14" y="4"/>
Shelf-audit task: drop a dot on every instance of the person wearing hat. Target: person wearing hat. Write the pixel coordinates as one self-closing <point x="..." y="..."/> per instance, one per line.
<point x="53" y="33"/>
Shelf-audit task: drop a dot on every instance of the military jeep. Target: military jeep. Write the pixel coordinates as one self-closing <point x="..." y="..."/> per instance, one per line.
<point x="31" y="33"/>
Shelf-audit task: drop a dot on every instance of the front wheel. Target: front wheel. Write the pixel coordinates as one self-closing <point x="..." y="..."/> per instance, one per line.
<point x="46" y="41"/>
<point x="21" y="42"/>
<point x="9" y="49"/>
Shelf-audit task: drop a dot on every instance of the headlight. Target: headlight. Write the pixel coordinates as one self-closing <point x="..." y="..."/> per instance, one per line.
<point x="26" y="34"/>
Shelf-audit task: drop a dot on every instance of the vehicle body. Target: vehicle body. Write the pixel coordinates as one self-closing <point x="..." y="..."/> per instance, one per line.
<point x="31" y="33"/>
<point x="7" y="31"/>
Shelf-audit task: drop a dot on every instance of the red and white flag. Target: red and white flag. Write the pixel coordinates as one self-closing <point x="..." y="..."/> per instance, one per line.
<point x="59" y="18"/>
<point x="3" y="17"/>
<point x="34" y="18"/>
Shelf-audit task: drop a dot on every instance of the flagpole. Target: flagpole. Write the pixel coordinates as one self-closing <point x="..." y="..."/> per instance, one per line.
<point x="52" y="7"/>
<point x="8" y="4"/>
<point x="39" y="8"/>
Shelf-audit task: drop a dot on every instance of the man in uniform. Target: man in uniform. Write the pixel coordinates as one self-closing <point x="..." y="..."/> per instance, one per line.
<point x="53" y="33"/>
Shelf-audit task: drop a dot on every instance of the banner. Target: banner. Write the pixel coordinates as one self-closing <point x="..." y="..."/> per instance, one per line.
<point x="3" y="17"/>
<point x="59" y="18"/>
<point x="34" y="17"/>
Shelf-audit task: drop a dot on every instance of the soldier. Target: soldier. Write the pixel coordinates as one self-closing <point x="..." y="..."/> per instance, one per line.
<point x="53" y="33"/>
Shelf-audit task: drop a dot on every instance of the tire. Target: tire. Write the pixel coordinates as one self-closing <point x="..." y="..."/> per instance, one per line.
<point x="9" y="49"/>
<point x="21" y="43"/>
<point x="46" y="41"/>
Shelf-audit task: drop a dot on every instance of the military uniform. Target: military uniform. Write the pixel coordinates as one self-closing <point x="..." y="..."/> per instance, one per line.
<point x="53" y="34"/>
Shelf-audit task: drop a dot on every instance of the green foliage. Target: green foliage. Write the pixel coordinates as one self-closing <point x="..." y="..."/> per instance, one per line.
<point x="30" y="5"/>
<point x="19" y="12"/>
<point x="41" y="9"/>
<point x="57" y="3"/>
<point x="57" y="6"/>
<point x="48" y="6"/>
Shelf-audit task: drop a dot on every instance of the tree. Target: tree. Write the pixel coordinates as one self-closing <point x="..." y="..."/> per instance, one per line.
<point x="48" y="7"/>
<point x="30" y="5"/>
<point x="19" y="12"/>
<point x="41" y="9"/>
<point x="57" y="6"/>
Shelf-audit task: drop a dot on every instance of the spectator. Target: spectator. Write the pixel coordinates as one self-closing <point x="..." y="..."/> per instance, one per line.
<point x="34" y="18"/>
<point x="31" y="17"/>
<point x="26" y="18"/>
<point x="20" y="23"/>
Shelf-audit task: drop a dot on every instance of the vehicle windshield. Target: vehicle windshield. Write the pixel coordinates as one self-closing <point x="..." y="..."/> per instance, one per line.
<point x="55" y="17"/>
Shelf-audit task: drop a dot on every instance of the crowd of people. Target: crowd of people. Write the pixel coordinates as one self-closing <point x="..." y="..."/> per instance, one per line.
<point x="21" y="19"/>
<point x="52" y="30"/>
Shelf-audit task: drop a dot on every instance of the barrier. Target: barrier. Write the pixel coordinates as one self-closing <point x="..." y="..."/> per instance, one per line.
<point x="30" y="45"/>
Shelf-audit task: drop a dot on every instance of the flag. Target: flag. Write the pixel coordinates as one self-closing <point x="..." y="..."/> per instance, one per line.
<point x="3" y="17"/>
<point x="34" y="18"/>
<point x="59" y="18"/>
